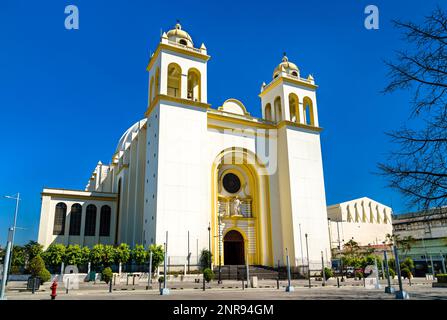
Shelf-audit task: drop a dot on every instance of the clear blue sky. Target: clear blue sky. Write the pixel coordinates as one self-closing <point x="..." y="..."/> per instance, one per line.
<point x="67" y="96"/>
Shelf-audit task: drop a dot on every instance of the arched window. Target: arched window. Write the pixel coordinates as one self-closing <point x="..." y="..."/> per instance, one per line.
<point x="151" y="90"/>
<point x="174" y="80"/>
<point x="104" y="224"/>
<point x="194" y="84"/>
<point x="278" y="109"/>
<point x="268" y="112"/>
<point x="308" y="111"/>
<point x="157" y="82"/>
<point x="294" y="73"/>
<point x="59" y="219"/>
<point x="183" y="41"/>
<point x="293" y="108"/>
<point x="90" y="220"/>
<point x="75" y="220"/>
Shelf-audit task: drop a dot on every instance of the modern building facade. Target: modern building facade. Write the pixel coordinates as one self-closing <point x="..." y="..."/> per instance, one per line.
<point x="428" y="231"/>
<point x="250" y="189"/>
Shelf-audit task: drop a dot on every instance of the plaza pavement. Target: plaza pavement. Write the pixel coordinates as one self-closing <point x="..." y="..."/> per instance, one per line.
<point x="420" y="289"/>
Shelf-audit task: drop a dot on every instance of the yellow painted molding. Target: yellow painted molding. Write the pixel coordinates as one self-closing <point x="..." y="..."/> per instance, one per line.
<point x="163" y="97"/>
<point x="168" y="47"/>
<point x="282" y="80"/>
<point x="298" y="125"/>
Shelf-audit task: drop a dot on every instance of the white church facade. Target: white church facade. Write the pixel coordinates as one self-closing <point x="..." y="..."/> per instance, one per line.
<point x="247" y="187"/>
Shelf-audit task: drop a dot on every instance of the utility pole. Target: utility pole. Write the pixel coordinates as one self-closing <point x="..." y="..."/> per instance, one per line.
<point x="14" y="227"/>
<point x="6" y="264"/>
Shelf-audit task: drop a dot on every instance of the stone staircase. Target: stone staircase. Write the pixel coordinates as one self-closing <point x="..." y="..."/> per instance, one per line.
<point x="238" y="272"/>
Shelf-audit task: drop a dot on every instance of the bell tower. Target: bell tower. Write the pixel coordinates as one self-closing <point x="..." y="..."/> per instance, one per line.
<point x="176" y="140"/>
<point x="289" y="102"/>
<point x="288" y="97"/>
<point x="177" y="69"/>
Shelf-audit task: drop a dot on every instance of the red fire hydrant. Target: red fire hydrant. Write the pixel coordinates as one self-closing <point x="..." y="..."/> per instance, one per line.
<point x="53" y="290"/>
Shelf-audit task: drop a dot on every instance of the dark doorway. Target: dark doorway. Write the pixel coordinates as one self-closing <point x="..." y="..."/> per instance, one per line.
<point x="234" y="252"/>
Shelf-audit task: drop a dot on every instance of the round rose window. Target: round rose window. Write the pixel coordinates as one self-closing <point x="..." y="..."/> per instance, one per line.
<point x="231" y="183"/>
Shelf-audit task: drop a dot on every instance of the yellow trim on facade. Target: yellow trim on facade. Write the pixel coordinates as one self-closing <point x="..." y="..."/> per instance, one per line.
<point x="163" y="97"/>
<point x="281" y="80"/>
<point x="298" y="125"/>
<point x="168" y="47"/>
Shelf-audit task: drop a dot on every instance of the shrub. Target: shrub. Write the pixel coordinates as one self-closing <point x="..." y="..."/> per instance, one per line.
<point x="44" y="276"/>
<point x="161" y="279"/>
<point x="359" y="274"/>
<point x="107" y="274"/>
<point x="442" y="278"/>
<point x="205" y="259"/>
<point x="158" y="255"/>
<point x="208" y="274"/>
<point x="36" y="266"/>
<point x="328" y="273"/>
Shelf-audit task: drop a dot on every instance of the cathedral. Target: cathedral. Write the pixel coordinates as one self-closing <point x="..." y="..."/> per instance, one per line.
<point x="249" y="189"/>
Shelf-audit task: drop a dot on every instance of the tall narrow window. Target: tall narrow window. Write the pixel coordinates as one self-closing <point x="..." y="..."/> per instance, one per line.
<point x="194" y="85"/>
<point x="104" y="225"/>
<point x="59" y="219"/>
<point x="308" y="111"/>
<point x="151" y="90"/>
<point x="75" y="220"/>
<point x="174" y="80"/>
<point x="293" y="108"/>
<point x="278" y="109"/>
<point x="90" y="220"/>
<point x="268" y="112"/>
<point x="157" y="82"/>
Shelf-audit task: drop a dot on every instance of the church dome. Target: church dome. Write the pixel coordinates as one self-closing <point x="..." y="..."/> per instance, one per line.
<point x="180" y="36"/>
<point x="129" y="135"/>
<point x="289" y="67"/>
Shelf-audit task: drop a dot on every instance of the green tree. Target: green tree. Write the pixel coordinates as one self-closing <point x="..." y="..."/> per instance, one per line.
<point x="139" y="254"/>
<point x="205" y="259"/>
<point x="18" y="256"/>
<point x="73" y="255"/>
<point x="122" y="253"/>
<point x="157" y="255"/>
<point x="108" y="257"/>
<point x="97" y="254"/>
<point x="33" y="249"/>
<point x="107" y="275"/>
<point x="85" y="255"/>
<point x="406" y="244"/>
<point x="407" y="263"/>
<point x="54" y="255"/>
<point x="208" y="274"/>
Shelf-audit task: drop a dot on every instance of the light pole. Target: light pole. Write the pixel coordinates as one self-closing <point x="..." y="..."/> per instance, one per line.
<point x="308" y="261"/>
<point x="209" y="241"/>
<point x="301" y="245"/>
<point x="16" y="212"/>
<point x="289" y="287"/>
<point x="401" y="294"/>
<point x="5" y="265"/>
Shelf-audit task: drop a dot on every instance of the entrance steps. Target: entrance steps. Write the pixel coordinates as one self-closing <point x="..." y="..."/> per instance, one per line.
<point x="238" y="272"/>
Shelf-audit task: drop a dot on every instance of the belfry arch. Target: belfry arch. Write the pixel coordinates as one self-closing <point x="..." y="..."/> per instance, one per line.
<point x="240" y="201"/>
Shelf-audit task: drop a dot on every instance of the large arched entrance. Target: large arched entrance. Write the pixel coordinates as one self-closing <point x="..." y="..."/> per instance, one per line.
<point x="234" y="253"/>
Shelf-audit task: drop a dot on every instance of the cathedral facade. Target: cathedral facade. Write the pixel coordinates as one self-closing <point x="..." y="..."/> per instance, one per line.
<point x="250" y="189"/>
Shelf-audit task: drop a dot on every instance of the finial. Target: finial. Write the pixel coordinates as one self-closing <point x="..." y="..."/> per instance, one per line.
<point x="284" y="58"/>
<point x="178" y="25"/>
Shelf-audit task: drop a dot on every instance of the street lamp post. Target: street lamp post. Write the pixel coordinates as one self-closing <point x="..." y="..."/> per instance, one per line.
<point x="401" y="294"/>
<point x="308" y="261"/>
<point x="209" y="241"/>
<point x="219" y="234"/>
<point x="5" y="265"/>
<point x="16" y="212"/>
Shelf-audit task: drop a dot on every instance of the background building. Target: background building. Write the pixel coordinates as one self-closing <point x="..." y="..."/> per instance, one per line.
<point x="363" y="220"/>
<point x="426" y="235"/>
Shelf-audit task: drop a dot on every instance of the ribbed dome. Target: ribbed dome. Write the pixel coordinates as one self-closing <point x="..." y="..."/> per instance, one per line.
<point x="289" y="67"/>
<point x="180" y="36"/>
<point x="128" y="136"/>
